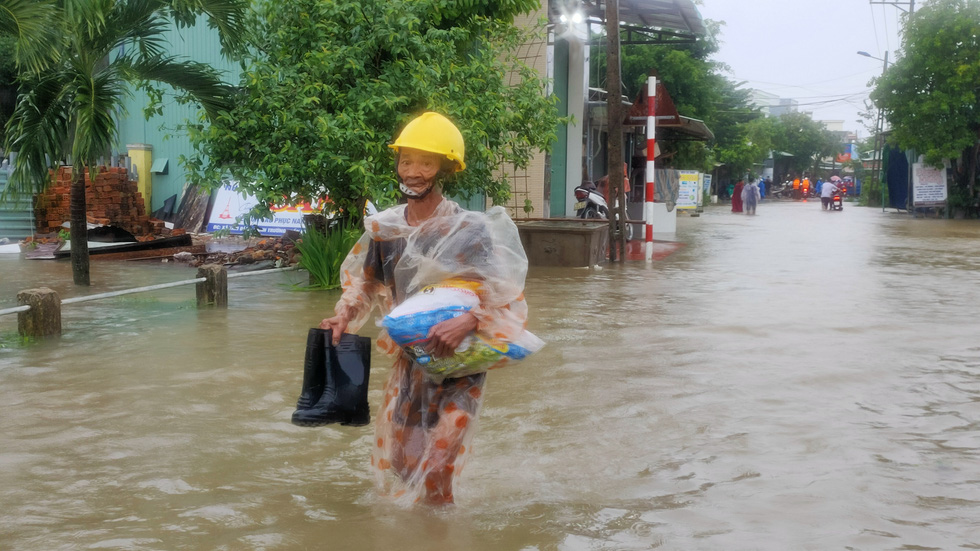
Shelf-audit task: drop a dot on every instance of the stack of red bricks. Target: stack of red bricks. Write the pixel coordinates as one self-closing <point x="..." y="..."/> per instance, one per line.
<point x="112" y="199"/>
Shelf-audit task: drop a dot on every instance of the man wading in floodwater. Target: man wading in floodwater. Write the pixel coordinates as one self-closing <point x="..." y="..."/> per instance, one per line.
<point x="424" y="428"/>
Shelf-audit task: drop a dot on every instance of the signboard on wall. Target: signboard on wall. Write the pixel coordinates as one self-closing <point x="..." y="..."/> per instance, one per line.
<point x="689" y="190"/>
<point x="928" y="186"/>
<point x="230" y="205"/>
<point x="705" y="188"/>
<point x="849" y="152"/>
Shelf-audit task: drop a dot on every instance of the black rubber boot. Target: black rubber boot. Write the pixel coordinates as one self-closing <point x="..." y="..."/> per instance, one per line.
<point x="353" y="373"/>
<point x="314" y="367"/>
<point x="344" y="397"/>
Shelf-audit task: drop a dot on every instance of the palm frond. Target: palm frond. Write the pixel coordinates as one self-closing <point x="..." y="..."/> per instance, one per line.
<point x="35" y="26"/>
<point x="95" y="101"/>
<point x="38" y="132"/>
<point x="141" y="23"/>
<point x="227" y="16"/>
<point x="199" y="80"/>
<point x="88" y="21"/>
<point x="149" y="36"/>
<point x="95" y="27"/>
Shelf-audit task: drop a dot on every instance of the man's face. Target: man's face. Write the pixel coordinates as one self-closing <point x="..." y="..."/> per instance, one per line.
<point x="418" y="169"/>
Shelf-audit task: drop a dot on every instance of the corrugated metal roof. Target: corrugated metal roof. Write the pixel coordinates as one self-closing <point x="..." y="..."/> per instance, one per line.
<point x="678" y="18"/>
<point x="676" y="15"/>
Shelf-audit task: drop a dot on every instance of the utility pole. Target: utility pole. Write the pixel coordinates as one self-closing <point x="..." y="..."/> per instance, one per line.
<point x="614" y="137"/>
<point x="897" y="3"/>
<point x="880" y="143"/>
<point x="881" y="122"/>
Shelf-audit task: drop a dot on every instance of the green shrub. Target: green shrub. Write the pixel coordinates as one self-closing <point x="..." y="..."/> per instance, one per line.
<point x="323" y="251"/>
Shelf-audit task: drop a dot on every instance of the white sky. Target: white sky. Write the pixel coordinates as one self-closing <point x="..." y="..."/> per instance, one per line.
<point x="807" y="50"/>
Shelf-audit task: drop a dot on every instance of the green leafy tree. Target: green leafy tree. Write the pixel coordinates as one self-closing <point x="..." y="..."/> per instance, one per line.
<point x="753" y="146"/>
<point x="692" y="84"/>
<point x="71" y="91"/>
<point x="329" y="84"/>
<point x="930" y="95"/>
<point x="699" y="89"/>
<point x="806" y="139"/>
<point x="742" y="134"/>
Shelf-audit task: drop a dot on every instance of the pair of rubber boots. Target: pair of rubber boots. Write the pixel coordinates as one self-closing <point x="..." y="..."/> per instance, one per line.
<point x="335" y="381"/>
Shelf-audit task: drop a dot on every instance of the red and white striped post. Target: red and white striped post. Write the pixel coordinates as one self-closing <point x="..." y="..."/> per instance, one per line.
<point x="650" y="171"/>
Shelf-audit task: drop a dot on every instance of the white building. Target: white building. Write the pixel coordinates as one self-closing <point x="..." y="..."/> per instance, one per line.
<point x="764" y="101"/>
<point x="771" y="104"/>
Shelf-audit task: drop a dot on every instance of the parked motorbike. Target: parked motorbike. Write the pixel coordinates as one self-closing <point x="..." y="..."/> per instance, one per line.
<point x="782" y="191"/>
<point x="591" y="205"/>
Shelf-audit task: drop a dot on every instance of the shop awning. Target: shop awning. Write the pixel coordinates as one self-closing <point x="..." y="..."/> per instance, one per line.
<point x="693" y="128"/>
<point x="670" y="124"/>
<point x="642" y="21"/>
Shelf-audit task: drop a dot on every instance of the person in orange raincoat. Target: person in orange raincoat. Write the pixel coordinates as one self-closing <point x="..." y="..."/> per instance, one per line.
<point x="424" y="428"/>
<point x="603" y="185"/>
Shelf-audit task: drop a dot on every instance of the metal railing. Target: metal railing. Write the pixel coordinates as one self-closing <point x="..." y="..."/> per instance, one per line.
<point x="15" y="309"/>
<point x="110" y="294"/>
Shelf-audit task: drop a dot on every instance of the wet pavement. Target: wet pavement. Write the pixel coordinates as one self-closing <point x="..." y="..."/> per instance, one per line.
<point x="798" y="379"/>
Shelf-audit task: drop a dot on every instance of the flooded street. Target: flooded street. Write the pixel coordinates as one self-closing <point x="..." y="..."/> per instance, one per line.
<point x="795" y="380"/>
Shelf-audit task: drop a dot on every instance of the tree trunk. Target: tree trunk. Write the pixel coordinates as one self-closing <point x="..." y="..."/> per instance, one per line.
<point x="972" y="167"/>
<point x="79" y="227"/>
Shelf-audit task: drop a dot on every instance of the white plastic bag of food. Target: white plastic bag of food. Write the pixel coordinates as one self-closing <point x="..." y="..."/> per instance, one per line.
<point x="409" y="323"/>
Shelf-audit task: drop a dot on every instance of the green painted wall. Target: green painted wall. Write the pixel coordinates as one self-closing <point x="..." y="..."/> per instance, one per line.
<point x="200" y="44"/>
<point x="559" y="152"/>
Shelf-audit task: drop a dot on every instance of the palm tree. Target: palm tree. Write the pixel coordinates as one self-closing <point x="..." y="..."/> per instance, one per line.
<point x="71" y="91"/>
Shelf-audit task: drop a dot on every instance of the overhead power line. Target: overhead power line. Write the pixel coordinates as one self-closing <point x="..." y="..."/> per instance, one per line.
<point x="814" y="83"/>
<point x="874" y="24"/>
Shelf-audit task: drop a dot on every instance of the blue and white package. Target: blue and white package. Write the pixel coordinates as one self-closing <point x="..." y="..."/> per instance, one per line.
<point x="409" y="323"/>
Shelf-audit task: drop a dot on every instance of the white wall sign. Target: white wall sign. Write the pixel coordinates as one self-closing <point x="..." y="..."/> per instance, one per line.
<point x="928" y="186"/>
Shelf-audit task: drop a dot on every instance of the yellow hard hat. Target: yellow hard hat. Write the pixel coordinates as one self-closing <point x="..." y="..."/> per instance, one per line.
<point x="434" y="133"/>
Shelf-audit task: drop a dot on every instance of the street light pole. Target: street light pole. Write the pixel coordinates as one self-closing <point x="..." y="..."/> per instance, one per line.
<point x="876" y="160"/>
<point x="910" y="201"/>
<point x="879" y="160"/>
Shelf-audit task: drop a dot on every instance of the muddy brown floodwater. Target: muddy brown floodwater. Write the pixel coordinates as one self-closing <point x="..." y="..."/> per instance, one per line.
<point x="795" y="380"/>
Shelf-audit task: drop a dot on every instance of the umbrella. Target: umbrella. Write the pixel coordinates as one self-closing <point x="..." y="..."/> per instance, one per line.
<point x="835" y="178"/>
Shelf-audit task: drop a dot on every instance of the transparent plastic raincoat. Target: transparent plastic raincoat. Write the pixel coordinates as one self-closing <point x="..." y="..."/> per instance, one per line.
<point x="424" y="428"/>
